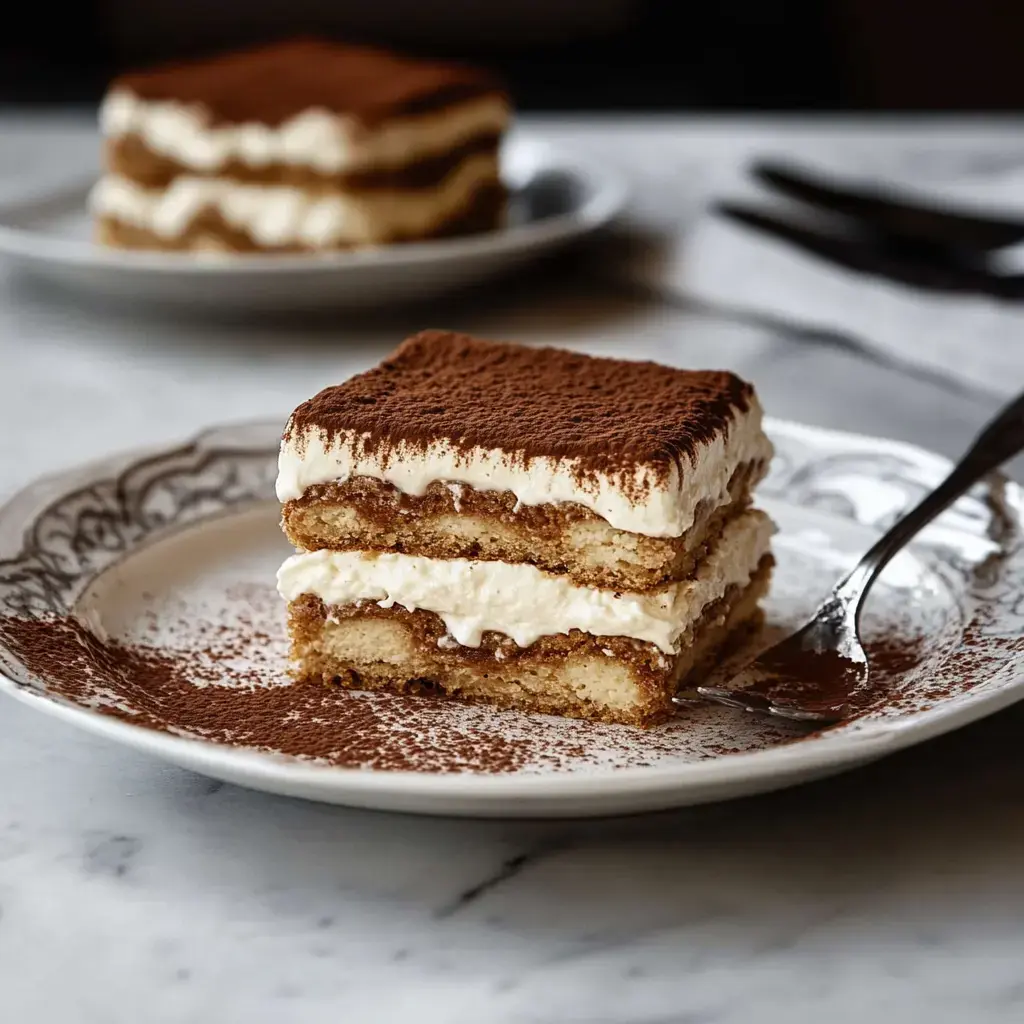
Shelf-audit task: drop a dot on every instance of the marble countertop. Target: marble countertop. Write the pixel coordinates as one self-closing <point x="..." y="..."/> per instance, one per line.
<point x="131" y="891"/>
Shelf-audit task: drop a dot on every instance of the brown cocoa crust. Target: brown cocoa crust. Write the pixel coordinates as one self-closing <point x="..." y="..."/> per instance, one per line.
<point x="603" y="415"/>
<point x="129" y="157"/>
<point x="484" y="212"/>
<point x="395" y="521"/>
<point x="270" y="84"/>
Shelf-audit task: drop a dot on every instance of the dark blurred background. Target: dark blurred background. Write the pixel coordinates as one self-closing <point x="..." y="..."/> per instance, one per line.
<point x="576" y="55"/>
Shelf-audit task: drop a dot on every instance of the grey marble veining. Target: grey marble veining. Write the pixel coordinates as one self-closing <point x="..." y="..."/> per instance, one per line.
<point x="131" y="891"/>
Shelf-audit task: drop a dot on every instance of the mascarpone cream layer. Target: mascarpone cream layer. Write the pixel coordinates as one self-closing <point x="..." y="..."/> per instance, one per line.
<point x="326" y="142"/>
<point x="279" y="215"/>
<point x="521" y="601"/>
<point x="641" y="500"/>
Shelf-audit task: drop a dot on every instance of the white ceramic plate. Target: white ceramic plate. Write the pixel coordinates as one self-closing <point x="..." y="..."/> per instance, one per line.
<point x="554" y="201"/>
<point x="174" y="550"/>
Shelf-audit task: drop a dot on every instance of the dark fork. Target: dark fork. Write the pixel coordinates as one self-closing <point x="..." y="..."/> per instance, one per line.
<point x="815" y="674"/>
<point x="866" y="253"/>
<point x="897" y="219"/>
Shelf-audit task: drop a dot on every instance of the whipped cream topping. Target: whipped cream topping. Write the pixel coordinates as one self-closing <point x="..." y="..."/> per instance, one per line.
<point x="279" y="215"/>
<point x="318" y="139"/>
<point x="520" y="600"/>
<point x="643" y="500"/>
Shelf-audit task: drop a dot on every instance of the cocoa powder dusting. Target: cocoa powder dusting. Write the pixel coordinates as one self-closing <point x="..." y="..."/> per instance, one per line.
<point x="183" y="692"/>
<point x="609" y="415"/>
<point x="829" y="683"/>
<point x="270" y="84"/>
<point x="891" y="660"/>
<point x="223" y="679"/>
<point x="904" y="680"/>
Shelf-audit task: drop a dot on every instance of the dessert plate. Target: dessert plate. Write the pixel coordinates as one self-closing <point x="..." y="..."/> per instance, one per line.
<point x="136" y="601"/>
<point x="555" y="200"/>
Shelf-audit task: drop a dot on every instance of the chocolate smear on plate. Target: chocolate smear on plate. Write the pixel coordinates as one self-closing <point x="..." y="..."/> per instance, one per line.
<point x="175" y="691"/>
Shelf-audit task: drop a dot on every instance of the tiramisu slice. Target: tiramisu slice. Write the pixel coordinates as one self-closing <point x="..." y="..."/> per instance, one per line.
<point x="306" y="145"/>
<point x="527" y="527"/>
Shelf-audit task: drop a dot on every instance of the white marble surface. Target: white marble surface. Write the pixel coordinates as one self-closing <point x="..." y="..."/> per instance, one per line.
<point x="130" y="891"/>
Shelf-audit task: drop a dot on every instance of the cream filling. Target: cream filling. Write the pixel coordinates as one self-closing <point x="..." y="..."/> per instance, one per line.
<point x="641" y="500"/>
<point x="520" y="600"/>
<point x="278" y="215"/>
<point x="318" y="139"/>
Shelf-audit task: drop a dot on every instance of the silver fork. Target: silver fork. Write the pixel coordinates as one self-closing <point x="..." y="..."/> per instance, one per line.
<point x="813" y="675"/>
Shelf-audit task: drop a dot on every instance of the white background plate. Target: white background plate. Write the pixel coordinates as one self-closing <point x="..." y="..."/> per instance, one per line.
<point x="180" y="539"/>
<point x="555" y="200"/>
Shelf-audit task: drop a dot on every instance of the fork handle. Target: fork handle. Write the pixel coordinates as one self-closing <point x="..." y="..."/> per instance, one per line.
<point x="1001" y="440"/>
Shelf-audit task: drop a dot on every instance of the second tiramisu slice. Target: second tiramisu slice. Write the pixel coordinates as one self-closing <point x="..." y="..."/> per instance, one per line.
<point x="301" y="146"/>
<point x="528" y="527"/>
